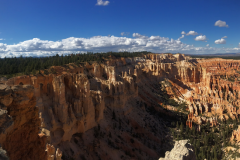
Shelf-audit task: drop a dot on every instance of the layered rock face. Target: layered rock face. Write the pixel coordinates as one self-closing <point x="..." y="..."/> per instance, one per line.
<point x="74" y="100"/>
<point x="20" y="123"/>
<point x="79" y="101"/>
<point x="217" y="97"/>
<point x="182" y="151"/>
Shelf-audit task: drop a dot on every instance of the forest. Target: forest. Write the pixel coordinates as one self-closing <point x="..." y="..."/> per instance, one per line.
<point x="208" y="57"/>
<point x="14" y="66"/>
<point x="9" y="67"/>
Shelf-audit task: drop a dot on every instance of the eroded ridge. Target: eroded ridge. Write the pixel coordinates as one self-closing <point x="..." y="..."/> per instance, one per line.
<point x="88" y="109"/>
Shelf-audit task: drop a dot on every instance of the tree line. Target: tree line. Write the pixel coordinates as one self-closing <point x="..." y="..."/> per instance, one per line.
<point x="11" y="66"/>
<point x="209" y="56"/>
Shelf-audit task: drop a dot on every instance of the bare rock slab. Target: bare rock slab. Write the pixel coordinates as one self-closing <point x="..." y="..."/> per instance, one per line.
<point x="182" y="151"/>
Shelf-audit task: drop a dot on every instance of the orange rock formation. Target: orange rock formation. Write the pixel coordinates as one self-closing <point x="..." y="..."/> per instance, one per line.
<point x="75" y="99"/>
<point x="20" y="139"/>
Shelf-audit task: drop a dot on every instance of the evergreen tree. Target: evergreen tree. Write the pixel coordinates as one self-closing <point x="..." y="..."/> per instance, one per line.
<point x="15" y="65"/>
<point x="181" y="127"/>
<point x="206" y="140"/>
<point x="215" y="153"/>
<point x="193" y="131"/>
<point x="34" y="72"/>
<point x="27" y="70"/>
<point x="173" y="133"/>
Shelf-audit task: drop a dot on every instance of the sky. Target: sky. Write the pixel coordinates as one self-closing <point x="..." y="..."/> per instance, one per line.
<point x="48" y="27"/>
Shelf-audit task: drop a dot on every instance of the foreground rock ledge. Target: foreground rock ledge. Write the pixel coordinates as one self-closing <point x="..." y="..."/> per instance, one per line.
<point x="182" y="151"/>
<point x="20" y="124"/>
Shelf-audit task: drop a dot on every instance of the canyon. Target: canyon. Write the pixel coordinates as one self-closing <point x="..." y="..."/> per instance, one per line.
<point x="116" y="109"/>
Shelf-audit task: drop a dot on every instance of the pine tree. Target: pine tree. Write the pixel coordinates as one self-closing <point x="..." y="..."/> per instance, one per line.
<point x="181" y="127"/>
<point x="224" y="139"/>
<point x="193" y="131"/>
<point x="27" y="70"/>
<point x="206" y="140"/>
<point x="34" y="72"/>
<point x="198" y="144"/>
<point x="187" y="130"/>
<point x="215" y="153"/>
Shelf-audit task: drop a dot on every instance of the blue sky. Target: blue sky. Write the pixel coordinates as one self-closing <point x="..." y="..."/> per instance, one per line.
<point x="46" y="27"/>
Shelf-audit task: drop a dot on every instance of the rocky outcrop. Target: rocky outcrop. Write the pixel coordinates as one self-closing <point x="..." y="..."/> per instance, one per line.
<point x="216" y="96"/>
<point x="3" y="154"/>
<point x="73" y="100"/>
<point x="235" y="135"/>
<point x="182" y="151"/>
<point x="77" y="98"/>
<point x="20" y="123"/>
<point x="51" y="154"/>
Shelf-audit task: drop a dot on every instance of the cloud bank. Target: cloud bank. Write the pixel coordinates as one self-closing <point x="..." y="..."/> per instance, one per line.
<point x="156" y="44"/>
<point x="220" y="23"/>
<point x="102" y="3"/>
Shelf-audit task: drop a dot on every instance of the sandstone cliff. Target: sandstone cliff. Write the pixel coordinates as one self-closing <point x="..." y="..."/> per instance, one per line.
<point x="20" y="123"/>
<point x="75" y="99"/>
<point x="88" y="109"/>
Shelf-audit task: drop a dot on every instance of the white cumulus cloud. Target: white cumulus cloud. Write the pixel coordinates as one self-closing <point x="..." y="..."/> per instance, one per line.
<point x="102" y="3"/>
<point x="157" y="44"/>
<point x="207" y="45"/>
<point x="183" y="32"/>
<point x="239" y="45"/>
<point x="193" y="33"/>
<point x="201" y="38"/>
<point x="224" y="37"/>
<point x="220" y="41"/>
<point x="3" y="48"/>
<point x="220" y="23"/>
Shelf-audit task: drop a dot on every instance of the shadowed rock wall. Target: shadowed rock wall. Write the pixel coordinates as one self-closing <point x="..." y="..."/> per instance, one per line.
<point x="73" y="100"/>
<point x="20" y="123"/>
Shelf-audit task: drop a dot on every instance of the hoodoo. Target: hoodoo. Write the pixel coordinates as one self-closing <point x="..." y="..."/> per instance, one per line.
<point x="117" y="109"/>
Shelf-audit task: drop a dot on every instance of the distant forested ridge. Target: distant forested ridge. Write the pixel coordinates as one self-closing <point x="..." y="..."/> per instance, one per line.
<point x="9" y="67"/>
<point x="213" y="56"/>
